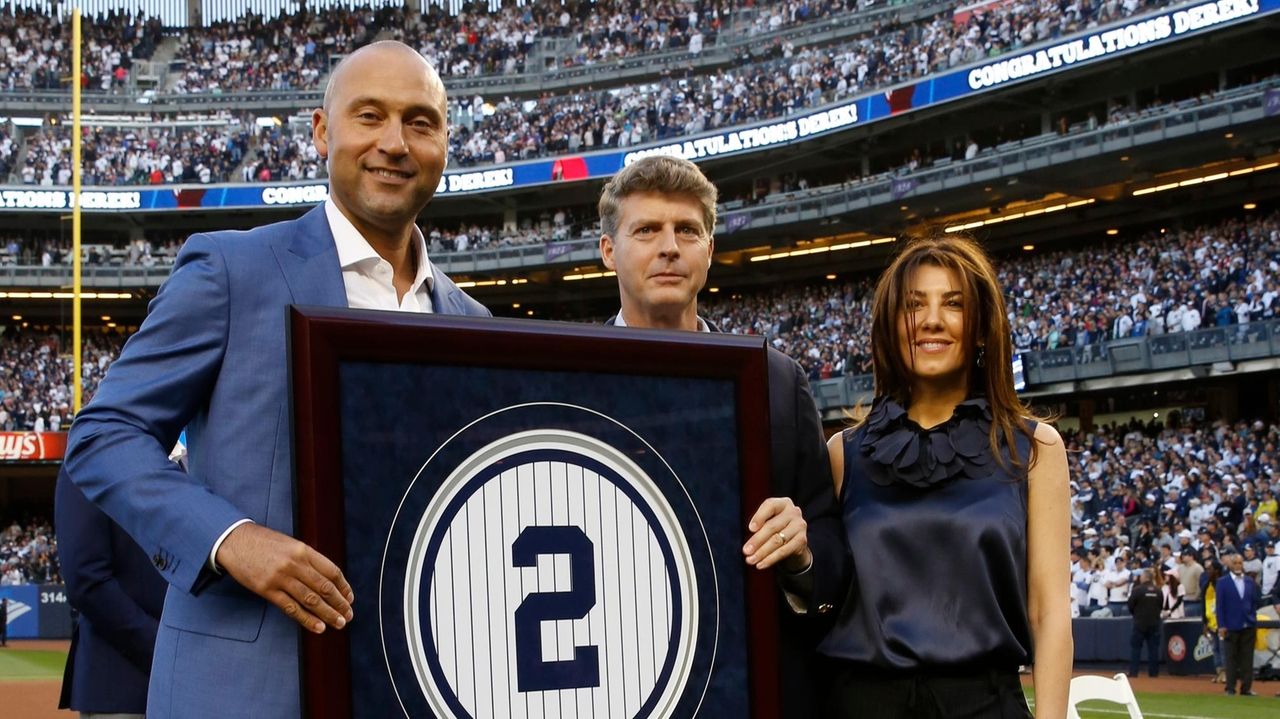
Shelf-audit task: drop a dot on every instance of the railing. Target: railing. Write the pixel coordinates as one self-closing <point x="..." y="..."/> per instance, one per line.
<point x="1131" y="355"/>
<point x="1230" y="343"/>
<point x="1012" y="159"/>
<point x="93" y="276"/>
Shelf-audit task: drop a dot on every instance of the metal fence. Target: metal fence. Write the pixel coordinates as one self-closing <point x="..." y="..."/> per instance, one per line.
<point x="1131" y="355"/>
<point x="1172" y="123"/>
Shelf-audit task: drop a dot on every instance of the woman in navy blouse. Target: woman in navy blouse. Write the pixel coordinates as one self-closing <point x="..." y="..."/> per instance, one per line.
<point x="955" y="503"/>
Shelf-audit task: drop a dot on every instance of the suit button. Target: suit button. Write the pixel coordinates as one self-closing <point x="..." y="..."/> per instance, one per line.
<point x="159" y="562"/>
<point x="825" y="608"/>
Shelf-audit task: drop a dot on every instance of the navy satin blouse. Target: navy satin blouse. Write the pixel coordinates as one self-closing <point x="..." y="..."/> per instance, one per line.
<point x="938" y="532"/>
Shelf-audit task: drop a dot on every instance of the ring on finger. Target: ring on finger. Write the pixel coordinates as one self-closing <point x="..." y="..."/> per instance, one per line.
<point x="782" y="537"/>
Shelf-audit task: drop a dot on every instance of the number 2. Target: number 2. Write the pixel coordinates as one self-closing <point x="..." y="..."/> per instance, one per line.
<point x="532" y="673"/>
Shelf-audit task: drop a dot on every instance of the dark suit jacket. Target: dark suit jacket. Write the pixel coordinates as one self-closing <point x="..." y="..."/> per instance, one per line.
<point x="801" y="470"/>
<point x="1236" y="613"/>
<point x="119" y="595"/>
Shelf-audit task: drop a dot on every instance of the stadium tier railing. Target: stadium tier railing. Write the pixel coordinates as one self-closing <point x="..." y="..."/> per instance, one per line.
<point x="731" y="48"/>
<point x="1131" y="355"/>
<point x="1167" y="123"/>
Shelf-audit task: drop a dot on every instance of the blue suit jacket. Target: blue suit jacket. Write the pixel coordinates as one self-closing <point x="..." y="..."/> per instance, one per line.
<point x="119" y="595"/>
<point x="1235" y="613"/>
<point x="210" y="357"/>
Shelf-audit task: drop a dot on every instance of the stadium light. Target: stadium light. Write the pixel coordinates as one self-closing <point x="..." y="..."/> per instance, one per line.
<point x="25" y="295"/>
<point x="17" y="318"/>
<point x="589" y="276"/>
<point x="713" y="289"/>
<point x="1019" y="215"/>
<point x="825" y="248"/>
<point x="1212" y="177"/>
<point x="1250" y="205"/>
<point x="1028" y="248"/>
<point x="1112" y="232"/>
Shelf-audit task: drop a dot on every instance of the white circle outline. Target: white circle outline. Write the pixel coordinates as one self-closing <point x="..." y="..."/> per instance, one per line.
<point x="715" y="578"/>
<point x="582" y="445"/>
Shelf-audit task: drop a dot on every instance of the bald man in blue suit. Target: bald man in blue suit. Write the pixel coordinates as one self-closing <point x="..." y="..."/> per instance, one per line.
<point x="211" y="357"/>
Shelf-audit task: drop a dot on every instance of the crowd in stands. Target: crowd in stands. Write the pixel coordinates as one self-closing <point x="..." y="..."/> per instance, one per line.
<point x="31" y="250"/>
<point x="8" y="152"/>
<point x="792" y="80"/>
<point x="36" y="374"/>
<point x="28" y="552"/>
<point x="35" y="49"/>
<point x="137" y="156"/>
<point x="284" y="154"/>
<point x="547" y="226"/>
<point x="1175" y="499"/>
<point x="289" y="52"/>
<point x="1174" y="281"/>
<point x="1226" y="274"/>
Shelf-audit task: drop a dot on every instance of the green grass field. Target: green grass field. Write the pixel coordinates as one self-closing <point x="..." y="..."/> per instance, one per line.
<point x="1190" y="706"/>
<point x="27" y="664"/>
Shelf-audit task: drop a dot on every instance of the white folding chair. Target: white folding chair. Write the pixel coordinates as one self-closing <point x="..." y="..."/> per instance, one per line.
<point x="1117" y="689"/>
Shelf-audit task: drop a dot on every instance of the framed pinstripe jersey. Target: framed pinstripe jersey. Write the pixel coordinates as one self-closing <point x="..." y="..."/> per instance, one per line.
<point x="538" y="520"/>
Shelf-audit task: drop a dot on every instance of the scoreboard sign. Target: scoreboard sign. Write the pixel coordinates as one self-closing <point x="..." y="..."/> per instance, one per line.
<point x="538" y="520"/>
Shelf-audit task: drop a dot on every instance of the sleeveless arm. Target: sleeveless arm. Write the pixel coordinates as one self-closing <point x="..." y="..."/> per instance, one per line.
<point x="1048" y="545"/>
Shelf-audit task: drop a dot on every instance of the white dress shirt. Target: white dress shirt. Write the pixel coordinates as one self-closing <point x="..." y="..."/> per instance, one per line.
<point x="368" y="281"/>
<point x="368" y="277"/>
<point x="618" y="321"/>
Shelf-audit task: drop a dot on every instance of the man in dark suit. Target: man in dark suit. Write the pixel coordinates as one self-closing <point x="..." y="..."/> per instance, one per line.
<point x="657" y="216"/>
<point x="1237" y="600"/>
<point x="119" y="597"/>
<point x="211" y="358"/>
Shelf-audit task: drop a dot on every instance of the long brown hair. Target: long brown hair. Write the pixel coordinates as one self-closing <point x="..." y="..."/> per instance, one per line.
<point x="986" y="325"/>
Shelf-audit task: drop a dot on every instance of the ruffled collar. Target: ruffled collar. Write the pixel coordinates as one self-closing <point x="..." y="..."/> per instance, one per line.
<point x="902" y="451"/>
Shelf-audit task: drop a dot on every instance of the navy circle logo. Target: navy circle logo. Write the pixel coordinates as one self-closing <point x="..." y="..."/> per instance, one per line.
<point x="550" y="569"/>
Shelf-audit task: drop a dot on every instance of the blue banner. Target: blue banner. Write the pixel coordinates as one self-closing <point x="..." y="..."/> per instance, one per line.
<point x="23" y="617"/>
<point x="736" y="221"/>
<point x="901" y="188"/>
<point x="1082" y="49"/>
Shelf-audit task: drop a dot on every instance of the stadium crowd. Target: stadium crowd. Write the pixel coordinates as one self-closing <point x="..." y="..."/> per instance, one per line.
<point x="284" y="154"/>
<point x="1217" y="275"/>
<point x="1176" y="499"/>
<point x="34" y="52"/>
<point x="36" y="377"/>
<point x="43" y="251"/>
<point x="137" y="156"/>
<point x="28" y="552"/>
<point x="791" y="80"/>
<point x="289" y="52"/>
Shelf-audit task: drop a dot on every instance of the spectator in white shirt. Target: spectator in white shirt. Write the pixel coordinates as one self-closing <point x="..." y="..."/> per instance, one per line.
<point x="1118" y="582"/>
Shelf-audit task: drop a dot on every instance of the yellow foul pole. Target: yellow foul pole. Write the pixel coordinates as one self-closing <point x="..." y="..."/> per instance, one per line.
<point x="75" y="207"/>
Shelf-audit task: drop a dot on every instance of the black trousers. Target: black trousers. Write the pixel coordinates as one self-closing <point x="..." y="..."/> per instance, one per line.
<point x="1237" y="655"/>
<point x="983" y="694"/>
<point x="1150" y="638"/>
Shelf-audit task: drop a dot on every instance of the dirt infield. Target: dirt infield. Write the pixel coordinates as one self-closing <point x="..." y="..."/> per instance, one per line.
<point x="34" y="698"/>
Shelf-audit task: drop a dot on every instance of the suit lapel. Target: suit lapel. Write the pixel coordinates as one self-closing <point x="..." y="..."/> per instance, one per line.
<point x="446" y="298"/>
<point x="309" y="260"/>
